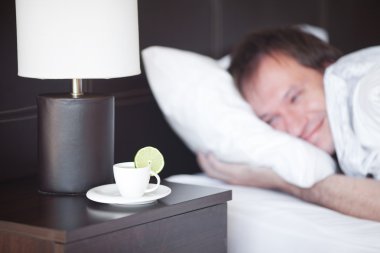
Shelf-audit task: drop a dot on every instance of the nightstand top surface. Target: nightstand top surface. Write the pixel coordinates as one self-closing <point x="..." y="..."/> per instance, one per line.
<point x="71" y="218"/>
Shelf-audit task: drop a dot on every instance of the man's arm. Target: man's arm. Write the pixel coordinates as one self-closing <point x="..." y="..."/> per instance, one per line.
<point x="352" y="196"/>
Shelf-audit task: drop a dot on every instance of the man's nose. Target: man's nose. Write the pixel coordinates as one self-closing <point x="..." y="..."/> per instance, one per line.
<point x="295" y="123"/>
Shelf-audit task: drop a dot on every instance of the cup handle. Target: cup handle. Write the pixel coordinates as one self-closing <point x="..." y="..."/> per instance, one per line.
<point x="152" y="173"/>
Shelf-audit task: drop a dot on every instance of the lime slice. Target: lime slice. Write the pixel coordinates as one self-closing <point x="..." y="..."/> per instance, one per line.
<point x="150" y="156"/>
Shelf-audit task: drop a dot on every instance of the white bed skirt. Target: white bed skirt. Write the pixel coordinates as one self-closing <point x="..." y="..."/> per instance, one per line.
<point x="263" y="221"/>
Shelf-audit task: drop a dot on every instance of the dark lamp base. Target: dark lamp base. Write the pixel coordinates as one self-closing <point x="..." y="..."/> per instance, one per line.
<point x="75" y="142"/>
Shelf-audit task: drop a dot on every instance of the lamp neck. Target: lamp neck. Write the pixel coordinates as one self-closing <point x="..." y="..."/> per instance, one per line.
<point x="77" y="88"/>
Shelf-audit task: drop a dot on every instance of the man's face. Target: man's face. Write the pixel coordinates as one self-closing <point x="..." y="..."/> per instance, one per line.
<point x="290" y="98"/>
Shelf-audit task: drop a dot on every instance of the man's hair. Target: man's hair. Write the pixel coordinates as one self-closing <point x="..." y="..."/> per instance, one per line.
<point x="305" y="48"/>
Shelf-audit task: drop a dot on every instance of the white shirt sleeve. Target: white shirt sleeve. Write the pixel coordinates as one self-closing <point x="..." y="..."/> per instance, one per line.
<point x="366" y="109"/>
<point x="366" y="118"/>
<point x="352" y="87"/>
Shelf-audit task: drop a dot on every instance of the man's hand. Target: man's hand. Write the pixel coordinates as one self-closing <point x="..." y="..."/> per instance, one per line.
<point x="239" y="174"/>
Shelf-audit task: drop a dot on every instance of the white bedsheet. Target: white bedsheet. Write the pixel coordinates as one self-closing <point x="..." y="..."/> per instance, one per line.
<point x="262" y="221"/>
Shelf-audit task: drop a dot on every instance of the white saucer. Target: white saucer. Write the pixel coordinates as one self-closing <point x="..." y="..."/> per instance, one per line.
<point x="109" y="194"/>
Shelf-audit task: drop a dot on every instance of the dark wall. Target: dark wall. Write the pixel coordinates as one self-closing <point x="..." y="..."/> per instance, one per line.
<point x="209" y="27"/>
<point x="353" y="24"/>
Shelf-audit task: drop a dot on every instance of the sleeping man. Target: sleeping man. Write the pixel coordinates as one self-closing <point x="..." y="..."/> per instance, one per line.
<point x="283" y="74"/>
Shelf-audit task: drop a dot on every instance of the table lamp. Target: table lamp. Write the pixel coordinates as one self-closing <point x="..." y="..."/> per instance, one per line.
<point x="76" y="39"/>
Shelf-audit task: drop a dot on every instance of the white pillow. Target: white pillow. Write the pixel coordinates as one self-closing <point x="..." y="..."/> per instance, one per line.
<point x="200" y="102"/>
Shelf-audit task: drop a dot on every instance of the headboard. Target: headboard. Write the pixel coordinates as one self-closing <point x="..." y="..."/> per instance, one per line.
<point x="210" y="27"/>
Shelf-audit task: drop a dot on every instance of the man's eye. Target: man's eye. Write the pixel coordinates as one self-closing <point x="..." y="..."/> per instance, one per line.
<point x="295" y="98"/>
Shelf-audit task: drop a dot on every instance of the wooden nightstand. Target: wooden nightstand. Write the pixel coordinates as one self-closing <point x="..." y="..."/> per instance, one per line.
<point x="190" y="219"/>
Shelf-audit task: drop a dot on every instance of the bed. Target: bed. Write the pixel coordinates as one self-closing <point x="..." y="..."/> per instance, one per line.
<point x="258" y="220"/>
<point x="268" y="221"/>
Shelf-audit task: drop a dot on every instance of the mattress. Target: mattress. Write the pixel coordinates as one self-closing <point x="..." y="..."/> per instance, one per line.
<point x="262" y="221"/>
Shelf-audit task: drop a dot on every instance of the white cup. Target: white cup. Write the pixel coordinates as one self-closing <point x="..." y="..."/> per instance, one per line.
<point x="133" y="182"/>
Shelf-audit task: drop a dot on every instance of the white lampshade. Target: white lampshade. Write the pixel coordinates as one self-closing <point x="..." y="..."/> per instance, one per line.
<point x="66" y="39"/>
